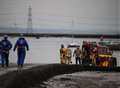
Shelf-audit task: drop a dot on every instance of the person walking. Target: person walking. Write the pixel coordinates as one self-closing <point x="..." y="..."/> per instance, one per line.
<point x="68" y="56"/>
<point x="77" y="54"/>
<point x="1" y="50"/>
<point x="6" y="46"/>
<point x="21" y="46"/>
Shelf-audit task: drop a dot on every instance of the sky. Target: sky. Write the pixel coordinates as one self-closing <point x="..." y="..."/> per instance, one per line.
<point x="70" y="16"/>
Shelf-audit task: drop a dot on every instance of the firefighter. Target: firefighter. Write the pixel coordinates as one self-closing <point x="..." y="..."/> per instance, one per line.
<point x="21" y="46"/>
<point x="77" y="53"/>
<point x="94" y="54"/>
<point x="6" y="46"/>
<point x="83" y="56"/>
<point x="86" y="49"/>
<point x="68" y="56"/>
<point x="62" y="54"/>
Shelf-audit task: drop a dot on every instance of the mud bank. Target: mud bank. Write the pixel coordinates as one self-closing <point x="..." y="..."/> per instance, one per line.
<point x="84" y="80"/>
<point x="36" y="75"/>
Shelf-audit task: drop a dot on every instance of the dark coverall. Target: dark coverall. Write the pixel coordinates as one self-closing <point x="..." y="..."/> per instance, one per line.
<point x="21" y="46"/>
<point x="6" y="46"/>
<point x="1" y="47"/>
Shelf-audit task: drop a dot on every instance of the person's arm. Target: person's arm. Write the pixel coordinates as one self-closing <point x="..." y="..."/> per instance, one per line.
<point x="74" y="53"/>
<point x="15" y="46"/>
<point x="80" y="51"/>
<point x="70" y="53"/>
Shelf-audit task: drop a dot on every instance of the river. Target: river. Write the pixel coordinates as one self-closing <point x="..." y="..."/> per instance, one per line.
<point x="46" y="49"/>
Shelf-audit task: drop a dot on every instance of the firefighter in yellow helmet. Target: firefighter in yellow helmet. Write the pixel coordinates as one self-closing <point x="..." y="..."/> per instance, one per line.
<point x="68" y="56"/>
<point x="62" y="54"/>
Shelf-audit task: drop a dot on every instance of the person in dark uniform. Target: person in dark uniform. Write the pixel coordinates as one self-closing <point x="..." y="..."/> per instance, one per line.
<point x="21" y="46"/>
<point x="1" y="49"/>
<point x="6" y="46"/>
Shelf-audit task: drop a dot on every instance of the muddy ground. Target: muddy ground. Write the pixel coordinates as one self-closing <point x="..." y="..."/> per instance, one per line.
<point x="36" y="77"/>
<point x="84" y="80"/>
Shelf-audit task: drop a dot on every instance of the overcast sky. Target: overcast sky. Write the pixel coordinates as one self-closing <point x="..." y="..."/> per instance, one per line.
<point x="78" y="16"/>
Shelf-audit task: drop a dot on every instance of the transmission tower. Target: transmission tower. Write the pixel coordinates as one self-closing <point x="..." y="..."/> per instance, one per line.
<point x="29" y="21"/>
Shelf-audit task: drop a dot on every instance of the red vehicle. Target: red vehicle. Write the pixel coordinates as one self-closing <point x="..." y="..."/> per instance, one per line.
<point x="105" y="58"/>
<point x="98" y="55"/>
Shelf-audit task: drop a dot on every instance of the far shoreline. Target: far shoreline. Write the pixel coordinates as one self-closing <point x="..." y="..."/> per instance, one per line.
<point x="38" y="35"/>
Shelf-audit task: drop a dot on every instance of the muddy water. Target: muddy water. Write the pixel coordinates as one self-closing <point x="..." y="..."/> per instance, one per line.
<point x="84" y="80"/>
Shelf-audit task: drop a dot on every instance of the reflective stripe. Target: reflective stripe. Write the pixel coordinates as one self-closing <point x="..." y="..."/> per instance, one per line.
<point x="105" y="56"/>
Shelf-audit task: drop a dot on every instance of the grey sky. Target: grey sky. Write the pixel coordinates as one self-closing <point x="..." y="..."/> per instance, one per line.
<point x="78" y="16"/>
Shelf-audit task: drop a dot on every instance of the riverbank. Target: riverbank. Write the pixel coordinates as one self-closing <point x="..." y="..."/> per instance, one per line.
<point x="85" y="79"/>
<point x="37" y="75"/>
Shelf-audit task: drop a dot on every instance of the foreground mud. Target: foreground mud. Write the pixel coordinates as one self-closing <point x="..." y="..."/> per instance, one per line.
<point x="36" y="77"/>
<point x="84" y="80"/>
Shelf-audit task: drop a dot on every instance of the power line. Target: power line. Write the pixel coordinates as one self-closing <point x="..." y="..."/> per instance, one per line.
<point x="29" y="21"/>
